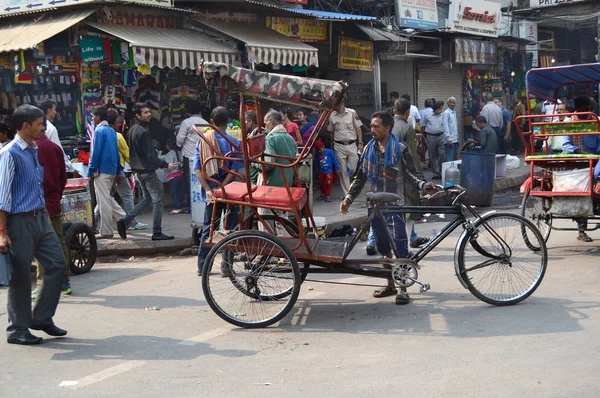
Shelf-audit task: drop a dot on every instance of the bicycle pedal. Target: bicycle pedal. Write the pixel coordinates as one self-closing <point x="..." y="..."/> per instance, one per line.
<point x="425" y="288"/>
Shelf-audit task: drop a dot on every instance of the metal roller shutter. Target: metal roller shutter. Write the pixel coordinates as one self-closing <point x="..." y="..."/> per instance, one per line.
<point x="441" y="83"/>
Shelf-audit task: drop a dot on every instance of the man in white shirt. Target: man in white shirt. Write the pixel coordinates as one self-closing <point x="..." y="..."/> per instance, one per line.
<point x="187" y="138"/>
<point x="493" y="114"/>
<point x="450" y="131"/>
<point x="415" y="116"/>
<point x="49" y="108"/>
<point x="346" y="136"/>
<point x="549" y="108"/>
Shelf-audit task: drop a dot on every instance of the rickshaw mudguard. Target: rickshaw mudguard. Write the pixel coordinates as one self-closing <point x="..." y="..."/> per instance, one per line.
<point x="465" y="234"/>
<point x="529" y="184"/>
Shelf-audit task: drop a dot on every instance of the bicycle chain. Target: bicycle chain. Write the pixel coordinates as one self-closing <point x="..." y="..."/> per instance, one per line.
<point x="342" y="283"/>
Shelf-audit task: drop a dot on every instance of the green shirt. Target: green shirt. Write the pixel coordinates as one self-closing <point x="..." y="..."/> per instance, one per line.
<point x="279" y="142"/>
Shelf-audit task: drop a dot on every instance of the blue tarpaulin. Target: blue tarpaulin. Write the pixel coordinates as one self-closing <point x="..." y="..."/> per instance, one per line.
<point x="544" y="83"/>
<point x="332" y="15"/>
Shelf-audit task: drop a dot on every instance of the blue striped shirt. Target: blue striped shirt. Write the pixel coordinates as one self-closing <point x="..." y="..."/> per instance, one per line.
<point x="21" y="178"/>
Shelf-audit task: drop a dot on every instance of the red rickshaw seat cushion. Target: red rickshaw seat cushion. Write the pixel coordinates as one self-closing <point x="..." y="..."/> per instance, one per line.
<point x="234" y="191"/>
<point x="278" y="196"/>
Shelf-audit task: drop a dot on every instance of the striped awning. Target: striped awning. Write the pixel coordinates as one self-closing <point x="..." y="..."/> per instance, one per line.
<point x="264" y="45"/>
<point x="170" y="48"/>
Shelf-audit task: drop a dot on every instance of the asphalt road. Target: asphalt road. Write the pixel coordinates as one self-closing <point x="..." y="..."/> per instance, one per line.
<point x="337" y="341"/>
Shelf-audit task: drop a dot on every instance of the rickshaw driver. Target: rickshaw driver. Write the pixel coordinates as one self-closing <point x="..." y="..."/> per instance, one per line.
<point x="384" y="163"/>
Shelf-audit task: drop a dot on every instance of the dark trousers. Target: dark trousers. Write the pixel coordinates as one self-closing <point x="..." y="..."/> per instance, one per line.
<point x="232" y="222"/>
<point x="177" y="189"/>
<point x="57" y="226"/>
<point x="186" y="180"/>
<point x="33" y="237"/>
<point x="500" y="132"/>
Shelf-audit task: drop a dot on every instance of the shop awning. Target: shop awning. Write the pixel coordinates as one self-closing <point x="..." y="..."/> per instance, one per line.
<point x="170" y="48"/>
<point x="332" y="16"/>
<point x="381" y="35"/>
<point x="266" y="46"/>
<point x="27" y="35"/>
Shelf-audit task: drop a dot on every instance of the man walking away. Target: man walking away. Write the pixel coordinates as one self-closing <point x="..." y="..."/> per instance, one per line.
<point x="434" y="131"/>
<point x="493" y="114"/>
<point x="217" y="170"/>
<point x="505" y="130"/>
<point x="103" y="168"/>
<point x="55" y="179"/>
<point x="49" y="108"/>
<point x="450" y="131"/>
<point x="145" y="162"/>
<point x="187" y="138"/>
<point x="27" y="233"/>
<point x="344" y="130"/>
<point x="415" y="115"/>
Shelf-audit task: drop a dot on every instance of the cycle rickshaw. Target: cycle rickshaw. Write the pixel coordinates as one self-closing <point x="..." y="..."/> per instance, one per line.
<point x="264" y="272"/>
<point x="541" y="195"/>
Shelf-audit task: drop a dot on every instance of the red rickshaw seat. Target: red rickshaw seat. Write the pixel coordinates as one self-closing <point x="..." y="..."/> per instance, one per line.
<point x="234" y="191"/>
<point x="278" y="196"/>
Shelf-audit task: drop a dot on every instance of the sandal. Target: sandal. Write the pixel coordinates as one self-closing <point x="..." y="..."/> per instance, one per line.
<point x="402" y="298"/>
<point x="584" y="237"/>
<point x="385" y="292"/>
<point x="176" y="211"/>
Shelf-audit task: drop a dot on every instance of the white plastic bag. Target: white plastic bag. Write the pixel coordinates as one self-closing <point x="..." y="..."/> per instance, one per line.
<point x="572" y="181"/>
<point x="512" y="162"/>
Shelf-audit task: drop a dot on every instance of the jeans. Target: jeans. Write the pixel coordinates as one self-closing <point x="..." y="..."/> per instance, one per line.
<point x="500" y="133"/>
<point x="152" y="193"/>
<point x="124" y="190"/>
<point x="177" y="190"/>
<point x="451" y="153"/>
<point x="232" y="222"/>
<point x="371" y="239"/>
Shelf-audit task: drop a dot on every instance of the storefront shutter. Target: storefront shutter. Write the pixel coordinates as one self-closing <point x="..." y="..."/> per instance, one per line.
<point x="441" y="83"/>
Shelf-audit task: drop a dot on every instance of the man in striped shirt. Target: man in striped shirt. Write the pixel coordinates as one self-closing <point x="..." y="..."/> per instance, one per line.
<point x="26" y="232"/>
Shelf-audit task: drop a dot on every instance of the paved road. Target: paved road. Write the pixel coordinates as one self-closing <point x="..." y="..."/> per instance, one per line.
<point x="338" y="340"/>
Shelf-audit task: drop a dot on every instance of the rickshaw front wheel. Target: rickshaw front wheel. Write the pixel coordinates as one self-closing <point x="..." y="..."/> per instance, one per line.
<point x="251" y="279"/>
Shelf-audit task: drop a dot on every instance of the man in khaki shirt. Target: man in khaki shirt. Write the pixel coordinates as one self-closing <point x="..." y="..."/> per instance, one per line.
<point x="345" y="134"/>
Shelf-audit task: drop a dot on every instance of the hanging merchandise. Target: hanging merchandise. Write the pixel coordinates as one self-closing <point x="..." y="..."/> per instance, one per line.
<point x="92" y="49"/>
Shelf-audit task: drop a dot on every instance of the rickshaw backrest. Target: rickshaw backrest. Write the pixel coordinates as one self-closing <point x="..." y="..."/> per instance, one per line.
<point x="256" y="145"/>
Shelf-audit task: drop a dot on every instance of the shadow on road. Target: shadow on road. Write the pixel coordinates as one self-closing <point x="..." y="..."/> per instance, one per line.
<point x="442" y="314"/>
<point x="140" y="347"/>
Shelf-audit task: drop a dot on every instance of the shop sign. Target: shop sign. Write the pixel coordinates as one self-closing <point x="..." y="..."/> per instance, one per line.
<point x="92" y="49"/>
<point x="475" y="17"/>
<point x="417" y="14"/>
<point x="549" y="3"/>
<point x="355" y="54"/>
<point x="528" y="30"/>
<point x="139" y="19"/>
<point x="17" y="6"/>
<point x="225" y="16"/>
<point x="305" y="2"/>
<point x="470" y="51"/>
<point x="303" y="29"/>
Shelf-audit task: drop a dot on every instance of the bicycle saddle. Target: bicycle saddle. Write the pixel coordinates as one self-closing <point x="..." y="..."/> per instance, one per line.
<point x="384" y="197"/>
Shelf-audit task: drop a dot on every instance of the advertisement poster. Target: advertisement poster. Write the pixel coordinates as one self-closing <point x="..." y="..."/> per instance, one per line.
<point x="475" y="51"/>
<point x="303" y="29"/>
<point x="417" y="14"/>
<point x="550" y="3"/>
<point x="475" y="17"/>
<point x="355" y="54"/>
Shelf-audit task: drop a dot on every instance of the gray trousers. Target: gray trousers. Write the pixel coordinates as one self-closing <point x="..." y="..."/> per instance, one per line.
<point x="33" y="236"/>
<point x="125" y="192"/>
<point x="152" y="193"/>
<point x="437" y="152"/>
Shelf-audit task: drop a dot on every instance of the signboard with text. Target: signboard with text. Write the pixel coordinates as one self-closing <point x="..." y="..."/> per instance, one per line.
<point x="475" y="17"/>
<point x="355" y="54"/>
<point x="303" y="29"/>
<point x="528" y="30"/>
<point x="550" y="3"/>
<point x="417" y="14"/>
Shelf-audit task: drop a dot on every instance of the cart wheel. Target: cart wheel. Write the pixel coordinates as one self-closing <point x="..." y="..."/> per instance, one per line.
<point x="495" y="263"/>
<point x="196" y="234"/>
<point x="66" y="227"/>
<point x="537" y="210"/>
<point x="82" y="246"/>
<point x="261" y="283"/>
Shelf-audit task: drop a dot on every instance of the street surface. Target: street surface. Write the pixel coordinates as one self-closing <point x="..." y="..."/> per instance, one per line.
<point x="338" y="341"/>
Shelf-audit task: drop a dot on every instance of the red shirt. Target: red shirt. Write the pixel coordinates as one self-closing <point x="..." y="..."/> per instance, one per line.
<point x="292" y="129"/>
<point x="51" y="157"/>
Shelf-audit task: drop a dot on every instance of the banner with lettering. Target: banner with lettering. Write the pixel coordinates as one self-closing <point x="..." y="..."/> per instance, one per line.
<point x="92" y="49"/>
<point x="355" y="54"/>
<point x="303" y="29"/>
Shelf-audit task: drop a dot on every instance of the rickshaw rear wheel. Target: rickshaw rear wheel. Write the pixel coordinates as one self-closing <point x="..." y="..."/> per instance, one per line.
<point x="259" y="281"/>
<point x="82" y="247"/>
<point x="537" y="210"/>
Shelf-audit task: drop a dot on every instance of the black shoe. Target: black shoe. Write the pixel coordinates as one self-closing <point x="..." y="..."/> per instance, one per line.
<point x="27" y="339"/>
<point x="199" y="273"/>
<point x="51" y="330"/>
<point x="122" y="228"/>
<point x="436" y="177"/>
<point x="371" y="250"/>
<point x="162" y="237"/>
